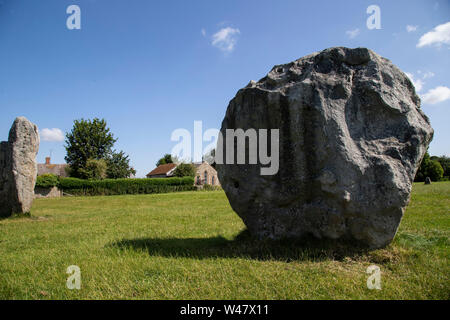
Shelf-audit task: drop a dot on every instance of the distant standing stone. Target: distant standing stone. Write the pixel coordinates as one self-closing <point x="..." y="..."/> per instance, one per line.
<point x="427" y="180"/>
<point x="18" y="168"/>
<point x="352" y="136"/>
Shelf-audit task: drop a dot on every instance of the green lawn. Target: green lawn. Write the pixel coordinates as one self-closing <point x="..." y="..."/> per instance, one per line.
<point x="190" y="245"/>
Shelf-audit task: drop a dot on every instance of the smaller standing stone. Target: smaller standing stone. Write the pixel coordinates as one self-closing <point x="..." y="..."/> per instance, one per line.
<point x="18" y="168"/>
<point x="427" y="180"/>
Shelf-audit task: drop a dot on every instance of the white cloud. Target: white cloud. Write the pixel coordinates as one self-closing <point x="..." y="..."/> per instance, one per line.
<point x="411" y="28"/>
<point x="418" y="84"/>
<point x="427" y="75"/>
<point x="203" y="31"/>
<point x="438" y="36"/>
<point x="55" y="135"/>
<point x="225" y="39"/>
<point x="436" y="95"/>
<point x="352" y="33"/>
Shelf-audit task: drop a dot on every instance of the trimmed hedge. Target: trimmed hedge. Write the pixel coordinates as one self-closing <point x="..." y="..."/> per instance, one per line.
<point x="76" y="186"/>
<point x="47" y="180"/>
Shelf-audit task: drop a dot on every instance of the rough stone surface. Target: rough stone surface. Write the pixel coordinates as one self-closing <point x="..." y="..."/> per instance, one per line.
<point x="53" y="192"/>
<point x="352" y="136"/>
<point x="18" y="168"/>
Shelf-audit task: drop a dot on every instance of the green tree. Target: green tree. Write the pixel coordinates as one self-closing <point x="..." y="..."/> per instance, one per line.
<point x="88" y="140"/>
<point x="429" y="168"/>
<point x="445" y="163"/>
<point x="185" y="170"/>
<point x="167" y="158"/>
<point x="95" y="169"/>
<point x="119" y="166"/>
<point x="435" y="170"/>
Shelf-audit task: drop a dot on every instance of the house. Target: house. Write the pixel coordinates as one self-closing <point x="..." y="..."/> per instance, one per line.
<point x="163" y="171"/>
<point x="48" y="168"/>
<point x="206" y="174"/>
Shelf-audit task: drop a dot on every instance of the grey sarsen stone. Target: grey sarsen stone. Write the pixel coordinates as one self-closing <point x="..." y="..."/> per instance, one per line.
<point x="352" y="136"/>
<point x="18" y="168"/>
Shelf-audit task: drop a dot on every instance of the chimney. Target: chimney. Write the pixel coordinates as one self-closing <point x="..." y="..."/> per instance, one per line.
<point x="47" y="160"/>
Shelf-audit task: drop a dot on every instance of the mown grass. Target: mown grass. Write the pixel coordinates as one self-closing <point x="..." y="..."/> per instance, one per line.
<point x="190" y="245"/>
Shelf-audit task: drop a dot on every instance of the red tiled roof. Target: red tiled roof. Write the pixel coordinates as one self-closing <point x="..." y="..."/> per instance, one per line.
<point x="162" y="169"/>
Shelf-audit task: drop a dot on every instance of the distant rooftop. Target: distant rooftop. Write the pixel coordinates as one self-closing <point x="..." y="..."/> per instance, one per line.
<point x="49" y="168"/>
<point x="162" y="169"/>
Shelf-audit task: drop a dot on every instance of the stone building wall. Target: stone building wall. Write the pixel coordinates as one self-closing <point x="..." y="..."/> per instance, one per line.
<point x="211" y="175"/>
<point x="47" y="192"/>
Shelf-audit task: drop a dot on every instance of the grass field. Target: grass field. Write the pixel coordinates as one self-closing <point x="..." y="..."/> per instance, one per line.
<point x="190" y="245"/>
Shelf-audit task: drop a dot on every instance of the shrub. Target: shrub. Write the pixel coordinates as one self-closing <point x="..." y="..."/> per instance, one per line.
<point x="208" y="187"/>
<point x="95" y="169"/>
<point x="429" y="168"/>
<point x="445" y="163"/>
<point x="76" y="186"/>
<point x="47" y="180"/>
<point x="74" y="183"/>
<point x="185" y="170"/>
<point x="119" y="166"/>
<point x="435" y="170"/>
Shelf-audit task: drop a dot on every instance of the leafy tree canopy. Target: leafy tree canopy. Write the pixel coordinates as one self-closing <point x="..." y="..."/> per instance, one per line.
<point x="95" y="169"/>
<point x="89" y="152"/>
<point x="185" y="170"/>
<point x="429" y="168"/>
<point x="445" y="163"/>
<point x="119" y="166"/>
<point x="167" y="158"/>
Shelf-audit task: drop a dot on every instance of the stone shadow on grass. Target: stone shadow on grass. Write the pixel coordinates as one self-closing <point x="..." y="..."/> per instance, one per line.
<point x="244" y="246"/>
<point x="14" y="216"/>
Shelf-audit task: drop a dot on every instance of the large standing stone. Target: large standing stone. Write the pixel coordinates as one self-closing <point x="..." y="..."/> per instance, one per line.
<point x="352" y="136"/>
<point x="18" y="168"/>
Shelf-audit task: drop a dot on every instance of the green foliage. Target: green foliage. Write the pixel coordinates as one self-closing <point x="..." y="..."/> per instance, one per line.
<point x="75" y="183"/>
<point x="208" y="187"/>
<point x="47" y="180"/>
<point x="94" y="170"/>
<point x="90" y="155"/>
<point x="119" y="166"/>
<point x="69" y="171"/>
<point x="435" y="170"/>
<point x="422" y="172"/>
<point x="445" y="163"/>
<point x="429" y="168"/>
<point x="185" y="170"/>
<point x="89" y="139"/>
<point x="167" y="158"/>
<point x="76" y="186"/>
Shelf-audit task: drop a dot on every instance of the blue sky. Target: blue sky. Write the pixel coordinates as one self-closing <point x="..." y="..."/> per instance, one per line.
<point x="150" y="67"/>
